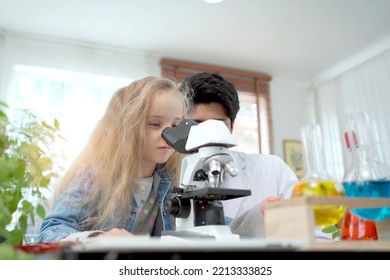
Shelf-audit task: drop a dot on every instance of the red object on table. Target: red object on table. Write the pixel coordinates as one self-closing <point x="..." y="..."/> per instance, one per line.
<point x="43" y="248"/>
<point x="357" y="228"/>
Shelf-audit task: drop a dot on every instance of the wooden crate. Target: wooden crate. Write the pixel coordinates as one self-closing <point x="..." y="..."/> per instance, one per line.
<point x="294" y="218"/>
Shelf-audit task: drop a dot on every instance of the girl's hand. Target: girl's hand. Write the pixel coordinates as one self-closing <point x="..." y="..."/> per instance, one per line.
<point x="117" y="232"/>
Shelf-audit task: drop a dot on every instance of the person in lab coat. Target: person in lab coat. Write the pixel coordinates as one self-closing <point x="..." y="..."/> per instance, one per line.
<point x="267" y="176"/>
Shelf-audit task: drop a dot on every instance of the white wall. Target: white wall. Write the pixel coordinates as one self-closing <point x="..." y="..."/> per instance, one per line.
<point x="290" y="110"/>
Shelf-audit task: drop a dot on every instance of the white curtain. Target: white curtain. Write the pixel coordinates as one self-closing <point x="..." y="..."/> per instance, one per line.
<point x="365" y="88"/>
<point x="70" y="81"/>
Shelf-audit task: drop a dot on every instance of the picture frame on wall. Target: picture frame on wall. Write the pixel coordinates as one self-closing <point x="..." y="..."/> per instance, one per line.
<point x="293" y="156"/>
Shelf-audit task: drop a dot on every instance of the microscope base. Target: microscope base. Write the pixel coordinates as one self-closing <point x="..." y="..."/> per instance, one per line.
<point x="216" y="232"/>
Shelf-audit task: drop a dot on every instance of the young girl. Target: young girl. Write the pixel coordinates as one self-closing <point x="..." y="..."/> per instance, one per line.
<point x="119" y="182"/>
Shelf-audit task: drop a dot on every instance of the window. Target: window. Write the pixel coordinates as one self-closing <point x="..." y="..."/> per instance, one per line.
<point x="253" y="125"/>
<point x="77" y="100"/>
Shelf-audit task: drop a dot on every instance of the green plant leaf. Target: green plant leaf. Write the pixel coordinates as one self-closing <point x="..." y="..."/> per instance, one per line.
<point x="14" y="236"/>
<point x="41" y="211"/>
<point x="5" y="215"/>
<point x="27" y="162"/>
<point x="56" y="124"/>
<point x="23" y="223"/>
<point x="3" y="115"/>
<point x="45" y="181"/>
<point x="336" y="234"/>
<point x="330" y="229"/>
<point x="13" y="196"/>
<point x="9" y="252"/>
<point x="45" y="163"/>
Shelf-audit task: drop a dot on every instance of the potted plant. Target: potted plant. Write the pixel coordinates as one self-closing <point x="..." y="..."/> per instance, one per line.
<point x="28" y="163"/>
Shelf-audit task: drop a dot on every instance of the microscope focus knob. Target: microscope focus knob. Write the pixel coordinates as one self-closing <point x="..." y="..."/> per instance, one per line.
<point x="178" y="207"/>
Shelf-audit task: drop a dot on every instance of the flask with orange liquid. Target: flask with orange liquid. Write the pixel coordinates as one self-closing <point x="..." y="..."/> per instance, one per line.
<point x="317" y="181"/>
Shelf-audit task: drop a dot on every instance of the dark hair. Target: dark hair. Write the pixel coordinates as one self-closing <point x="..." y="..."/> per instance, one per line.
<point x="209" y="87"/>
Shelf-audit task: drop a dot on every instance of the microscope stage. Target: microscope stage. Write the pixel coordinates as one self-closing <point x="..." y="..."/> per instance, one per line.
<point x="215" y="194"/>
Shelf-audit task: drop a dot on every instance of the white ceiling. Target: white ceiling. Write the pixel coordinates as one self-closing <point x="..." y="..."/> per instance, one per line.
<point x="293" y="39"/>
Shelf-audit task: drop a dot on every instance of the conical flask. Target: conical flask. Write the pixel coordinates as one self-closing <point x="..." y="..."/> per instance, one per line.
<point x="317" y="181"/>
<point x="366" y="176"/>
<point x="357" y="228"/>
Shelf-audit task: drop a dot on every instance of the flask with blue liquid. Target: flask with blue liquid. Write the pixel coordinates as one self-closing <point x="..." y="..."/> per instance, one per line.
<point x="367" y="176"/>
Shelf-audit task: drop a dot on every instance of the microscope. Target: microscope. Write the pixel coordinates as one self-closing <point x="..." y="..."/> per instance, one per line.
<point x="196" y="203"/>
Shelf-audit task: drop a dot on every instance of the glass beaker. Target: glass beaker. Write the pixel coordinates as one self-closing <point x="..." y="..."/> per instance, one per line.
<point x="317" y="182"/>
<point x="366" y="176"/>
<point x="356" y="228"/>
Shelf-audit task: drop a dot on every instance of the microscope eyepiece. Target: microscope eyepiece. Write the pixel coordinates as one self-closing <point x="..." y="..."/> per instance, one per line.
<point x="177" y="136"/>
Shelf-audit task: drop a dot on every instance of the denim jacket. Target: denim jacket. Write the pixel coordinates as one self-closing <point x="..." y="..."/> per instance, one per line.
<point x="66" y="216"/>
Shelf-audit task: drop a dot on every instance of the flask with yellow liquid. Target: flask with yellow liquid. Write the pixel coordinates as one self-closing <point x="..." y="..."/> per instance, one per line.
<point x="317" y="182"/>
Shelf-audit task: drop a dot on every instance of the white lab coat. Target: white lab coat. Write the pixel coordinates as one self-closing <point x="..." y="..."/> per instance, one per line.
<point x="264" y="175"/>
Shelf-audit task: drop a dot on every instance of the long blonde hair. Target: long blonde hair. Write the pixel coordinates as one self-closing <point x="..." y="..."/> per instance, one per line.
<point x="111" y="158"/>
